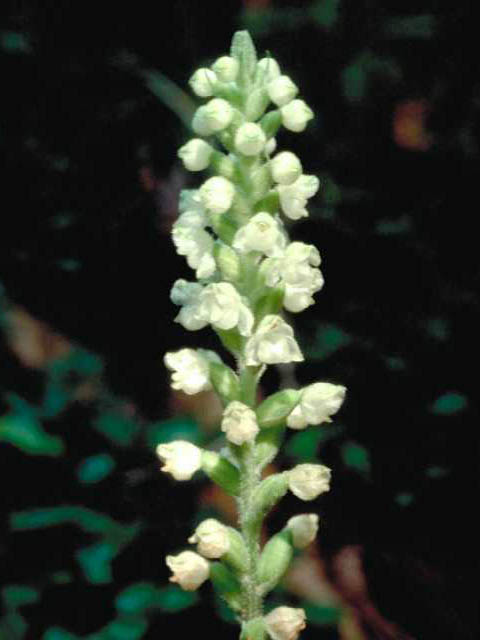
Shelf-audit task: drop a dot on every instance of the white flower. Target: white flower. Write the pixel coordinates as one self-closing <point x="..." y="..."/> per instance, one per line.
<point x="224" y="308"/>
<point x="217" y="194"/>
<point x="189" y="570"/>
<point x="270" y="146"/>
<point x="308" y="481"/>
<point x="261" y="233"/>
<point x="239" y="423"/>
<point x="285" y="167"/>
<point x="226" y="68"/>
<point x="296" y="271"/>
<point x="197" y="245"/>
<point x="190" y="369"/>
<point x="285" y="623"/>
<point x="304" y="529"/>
<point x="272" y="343"/>
<point x="269" y="68"/>
<point x="293" y="197"/>
<point x="218" y="113"/>
<point x="318" y="402"/>
<point x="281" y="90"/>
<point x="202" y="82"/>
<point x="182" y="459"/>
<point x="295" y="115"/>
<point x="250" y="139"/>
<point x="196" y="154"/>
<point x="212" y="538"/>
<point x="187" y="295"/>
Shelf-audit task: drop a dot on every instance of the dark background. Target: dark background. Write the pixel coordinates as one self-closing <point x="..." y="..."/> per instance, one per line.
<point x="90" y="179"/>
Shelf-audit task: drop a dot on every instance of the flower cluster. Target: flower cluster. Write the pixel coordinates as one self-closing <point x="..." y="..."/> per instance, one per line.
<point x="233" y="233"/>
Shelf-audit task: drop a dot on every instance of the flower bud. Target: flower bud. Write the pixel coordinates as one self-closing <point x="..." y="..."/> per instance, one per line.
<point x="211" y="537"/>
<point x="282" y="90"/>
<point x="219" y="114"/>
<point x="308" y="481"/>
<point x="269" y="68"/>
<point x="250" y="139"/>
<point x="217" y="194"/>
<point x="319" y="401"/>
<point x="182" y="459"/>
<point x="270" y="146"/>
<point x="200" y="123"/>
<point x="304" y="529"/>
<point x="190" y="369"/>
<point x="202" y="82"/>
<point x="272" y="343"/>
<point x="239" y="423"/>
<point x="189" y="570"/>
<point x="285" y="167"/>
<point x="274" y="561"/>
<point x="285" y="623"/>
<point x="226" y="68"/>
<point x="196" y="154"/>
<point x="295" y="115"/>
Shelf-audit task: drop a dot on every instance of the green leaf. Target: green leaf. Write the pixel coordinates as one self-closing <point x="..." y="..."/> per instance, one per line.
<point x="136" y="598"/>
<point x="322" y="616"/>
<point x="325" y="13"/>
<point x="26" y="433"/>
<point x="57" y="633"/>
<point x="18" y="595"/>
<point x="436" y="473"/>
<point x="95" y="468"/>
<point x="117" y="427"/>
<point x="357" y="75"/>
<point x="95" y="562"/>
<point x="13" y="626"/>
<point x="397" y="226"/>
<point x="15" y="42"/>
<point x="356" y="457"/>
<point x="404" y="499"/>
<point x="328" y="339"/>
<point x="303" y="445"/>
<point x="178" y="428"/>
<point x="449" y="404"/>
<point x="173" y="599"/>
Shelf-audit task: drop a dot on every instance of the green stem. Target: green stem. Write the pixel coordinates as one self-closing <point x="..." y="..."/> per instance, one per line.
<point x="250" y="478"/>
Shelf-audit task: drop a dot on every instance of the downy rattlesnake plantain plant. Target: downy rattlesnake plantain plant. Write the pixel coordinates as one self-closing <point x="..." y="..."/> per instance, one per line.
<point x="231" y="232"/>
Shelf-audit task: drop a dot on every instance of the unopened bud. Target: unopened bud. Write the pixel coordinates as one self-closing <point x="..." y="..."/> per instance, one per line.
<point x="269" y="68"/>
<point x="282" y="90"/>
<point x="304" y="529"/>
<point x="250" y="139"/>
<point x="226" y="68"/>
<point x="295" y="115"/>
<point x="219" y="114"/>
<point x="217" y="194"/>
<point x="211" y="537"/>
<point x="286" y="167"/>
<point x="227" y="261"/>
<point x="196" y="154"/>
<point x="202" y="82"/>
